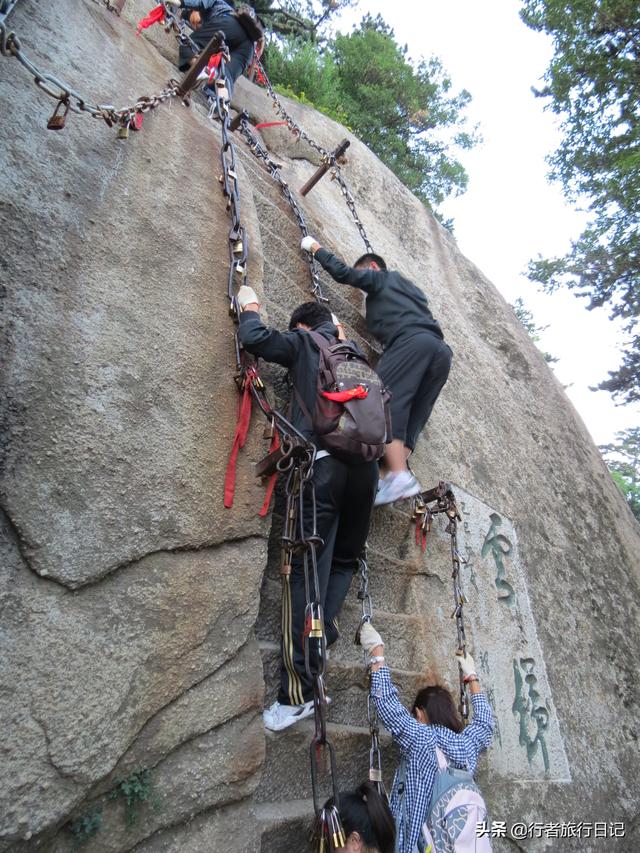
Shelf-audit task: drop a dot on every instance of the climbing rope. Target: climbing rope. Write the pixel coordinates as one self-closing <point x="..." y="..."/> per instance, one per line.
<point x="300" y="514"/>
<point x="375" y="754"/>
<point x="68" y="100"/>
<point x="426" y="505"/>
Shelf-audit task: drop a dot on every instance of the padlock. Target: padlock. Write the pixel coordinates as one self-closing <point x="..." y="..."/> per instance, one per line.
<point x="57" y="122"/>
<point x="123" y="131"/>
<point x="316" y="628"/>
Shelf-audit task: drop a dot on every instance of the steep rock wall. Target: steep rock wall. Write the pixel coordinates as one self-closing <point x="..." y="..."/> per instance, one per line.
<point x="131" y="600"/>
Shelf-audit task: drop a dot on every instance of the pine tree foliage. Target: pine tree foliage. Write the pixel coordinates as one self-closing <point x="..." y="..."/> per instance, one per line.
<point x="593" y="84"/>
<point x="407" y="114"/>
<point x="623" y="460"/>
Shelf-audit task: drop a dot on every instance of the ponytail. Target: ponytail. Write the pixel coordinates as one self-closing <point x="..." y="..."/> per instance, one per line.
<point x="364" y="811"/>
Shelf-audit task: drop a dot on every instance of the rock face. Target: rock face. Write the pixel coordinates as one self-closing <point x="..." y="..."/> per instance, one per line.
<point x="136" y="613"/>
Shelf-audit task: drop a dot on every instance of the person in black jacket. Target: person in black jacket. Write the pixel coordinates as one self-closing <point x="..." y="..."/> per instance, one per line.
<point x="415" y="363"/>
<point x="344" y="499"/>
<point x="207" y="17"/>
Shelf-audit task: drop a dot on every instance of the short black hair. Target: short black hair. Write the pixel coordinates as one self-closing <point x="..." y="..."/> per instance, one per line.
<point x="311" y="314"/>
<point x="437" y="703"/>
<point x="365" y="260"/>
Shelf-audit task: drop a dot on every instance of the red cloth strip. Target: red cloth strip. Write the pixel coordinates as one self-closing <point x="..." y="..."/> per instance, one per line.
<point x="239" y="439"/>
<point x="357" y="393"/>
<point x="275" y="444"/>
<point x="154" y="17"/>
<point x="270" y="124"/>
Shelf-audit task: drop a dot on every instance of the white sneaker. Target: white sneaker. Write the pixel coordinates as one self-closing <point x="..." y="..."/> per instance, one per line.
<point x="396" y="487"/>
<point x="279" y="717"/>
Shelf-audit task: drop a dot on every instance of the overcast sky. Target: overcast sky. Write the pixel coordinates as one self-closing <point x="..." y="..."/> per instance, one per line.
<point x="511" y="213"/>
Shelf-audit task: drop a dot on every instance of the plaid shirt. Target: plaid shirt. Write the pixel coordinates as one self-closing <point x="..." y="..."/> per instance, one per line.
<point x="417" y="743"/>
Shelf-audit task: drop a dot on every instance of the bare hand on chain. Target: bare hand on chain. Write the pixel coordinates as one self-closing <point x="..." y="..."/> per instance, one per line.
<point x="195" y="19"/>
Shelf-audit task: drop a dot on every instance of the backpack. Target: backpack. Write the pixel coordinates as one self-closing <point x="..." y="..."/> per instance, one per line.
<point x="454" y="812"/>
<point x="351" y="415"/>
<point x="246" y="16"/>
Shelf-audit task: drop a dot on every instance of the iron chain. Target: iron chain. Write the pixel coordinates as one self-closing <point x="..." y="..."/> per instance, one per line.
<point x="441" y="500"/>
<point x="300" y="537"/>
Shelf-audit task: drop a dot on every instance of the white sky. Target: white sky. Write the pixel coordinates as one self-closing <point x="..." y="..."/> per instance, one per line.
<point x="511" y="213"/>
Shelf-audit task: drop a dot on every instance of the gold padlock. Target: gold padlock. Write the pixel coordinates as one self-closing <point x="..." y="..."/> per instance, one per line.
<point x="123" y="131"/>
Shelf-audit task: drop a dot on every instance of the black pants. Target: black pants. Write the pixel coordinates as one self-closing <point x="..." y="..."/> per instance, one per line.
<point x="344" y="502"/>
<point x="415" y="369"/>
<point x="239" y="44"/>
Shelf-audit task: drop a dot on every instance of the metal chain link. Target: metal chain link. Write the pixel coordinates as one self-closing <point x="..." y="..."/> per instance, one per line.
<point x="327" y="156"/>
<point x="256" y="147"/>
<point x="73" y="101"/>
<point x="441" y="499"/>
<point x="375" y="753"/>
<point x="300" y="514"/>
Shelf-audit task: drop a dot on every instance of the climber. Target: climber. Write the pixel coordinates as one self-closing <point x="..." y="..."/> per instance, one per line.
<point x="208" y="17"/>
<point x="344" y="499"/>
<point x="367" y="820"/>
<point x="432" y="723"/>
<point x="414" y="365"/>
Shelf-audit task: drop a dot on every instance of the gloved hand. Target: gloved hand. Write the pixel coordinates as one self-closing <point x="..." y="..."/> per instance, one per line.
<point x="369" y="637"/>
<point x="467" y="664"/>
<point x="246" y="295"/>
<point x="308" y="243"/>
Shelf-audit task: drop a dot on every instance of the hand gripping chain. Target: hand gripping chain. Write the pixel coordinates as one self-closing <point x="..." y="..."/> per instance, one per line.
<point x="299" y="489"/>
<point x="375" y="754"/>
<point x="426" y="505"/>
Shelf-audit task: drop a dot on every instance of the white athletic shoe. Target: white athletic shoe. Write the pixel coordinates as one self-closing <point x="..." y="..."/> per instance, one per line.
<point x="279" y="717"/>
<point x="396" y="487"/>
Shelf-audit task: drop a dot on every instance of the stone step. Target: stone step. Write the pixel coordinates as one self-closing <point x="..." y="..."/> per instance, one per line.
<point x="412" y="642"/>
<point x="290" y="749"/>
<point x="286" y="826"/>
<point x="345" y="684"/>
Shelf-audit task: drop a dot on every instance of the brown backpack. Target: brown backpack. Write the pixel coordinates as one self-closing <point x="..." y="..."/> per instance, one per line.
<point x="351" y="416"/>
<point x="249" y="21"/>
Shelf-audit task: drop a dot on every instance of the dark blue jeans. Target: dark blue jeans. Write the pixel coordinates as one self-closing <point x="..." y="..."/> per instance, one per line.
<point x="239" y="44"/>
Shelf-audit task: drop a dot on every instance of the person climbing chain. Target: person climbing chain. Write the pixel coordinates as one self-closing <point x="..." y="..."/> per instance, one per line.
<point x="344" y="498"/>
<point x="207" y="17"/>
<point x="367" y="820"/>
<point x="430" y="739"/>
<point x="415" y="363"/>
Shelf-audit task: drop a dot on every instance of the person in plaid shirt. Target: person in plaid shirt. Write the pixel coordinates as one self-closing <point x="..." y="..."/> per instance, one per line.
<point x="433" y="722"/>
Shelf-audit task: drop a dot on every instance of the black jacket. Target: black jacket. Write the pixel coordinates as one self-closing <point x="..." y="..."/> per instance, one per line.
<point x="295" y="350"/>
<point x="395" y="306"/>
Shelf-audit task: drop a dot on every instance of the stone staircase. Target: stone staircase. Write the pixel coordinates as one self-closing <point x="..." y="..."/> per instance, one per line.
<point x="410" y="590"/>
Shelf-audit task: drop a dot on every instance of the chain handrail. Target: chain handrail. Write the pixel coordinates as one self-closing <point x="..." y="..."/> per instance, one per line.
<point x="300" y="512"/>
<point x="426" y="505"/>
<point x="73" y="101"/>
<point x="375" y="753"/>
<point x="327" y="156"/>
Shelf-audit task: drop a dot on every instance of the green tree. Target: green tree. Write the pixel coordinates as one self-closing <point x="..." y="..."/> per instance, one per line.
<point x="623" y="460"/>
<point x="304" y="19"/>
<point x="407" y="114"/>
<point x="593" y="83"/>
<point x="526" y="318"/>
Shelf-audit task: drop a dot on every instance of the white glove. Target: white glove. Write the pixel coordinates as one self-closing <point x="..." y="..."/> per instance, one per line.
<point x="246" y="295"/>
<point x="369" y="638"/>
<point x="467" y="664"/>
<point x="308" y="242"/>
<point x="334" y="320"/>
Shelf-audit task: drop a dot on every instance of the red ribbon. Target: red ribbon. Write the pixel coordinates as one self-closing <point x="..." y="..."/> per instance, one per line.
<point x="275" y="444"/>
<point x="242" y="430"/>
<point x="260" y="76"/>
<point x="357" y="393"/>
<point x="213" y="64"/>
<point x="269" y="124"/>
<point x="155" y="16"/>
